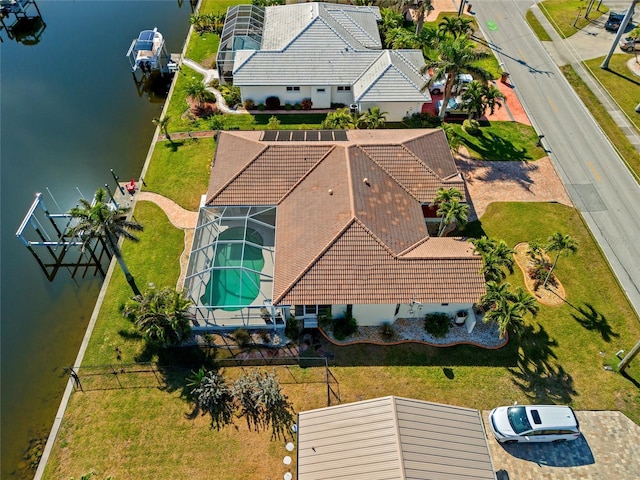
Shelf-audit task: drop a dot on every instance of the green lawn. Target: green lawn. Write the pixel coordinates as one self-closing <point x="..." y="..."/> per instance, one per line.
<point x="181" y="170"/>
<point x="203" y="48"/>
<point x="560" y="360"/>
<point x="537" y="27"/>
<point x="563" y="14"/>
<point x="502" y="141"/>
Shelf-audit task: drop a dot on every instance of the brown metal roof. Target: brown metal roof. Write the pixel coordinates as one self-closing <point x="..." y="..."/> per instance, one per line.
<point x="393" y="438"/>
<point x="350" y="228"/>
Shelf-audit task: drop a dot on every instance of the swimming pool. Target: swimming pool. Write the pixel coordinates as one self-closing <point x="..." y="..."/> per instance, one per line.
<point x="235" y="278"/>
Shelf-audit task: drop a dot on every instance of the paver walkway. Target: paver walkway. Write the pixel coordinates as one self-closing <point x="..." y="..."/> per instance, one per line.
<point x="608" y="448"/>
<point x="180" y="218"/>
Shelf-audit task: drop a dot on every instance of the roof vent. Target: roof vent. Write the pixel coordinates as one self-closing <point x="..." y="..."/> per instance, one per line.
<point x="365" y="180"/>
<point x="330" y="191"/>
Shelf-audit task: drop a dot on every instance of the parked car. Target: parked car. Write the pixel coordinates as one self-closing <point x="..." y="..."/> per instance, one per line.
<point x="455" y="106"/>
<point x="629" y="44"/>
<point x="534" y="423"/>
<point x="614" y="21"/>
<point x="461" y="80"/>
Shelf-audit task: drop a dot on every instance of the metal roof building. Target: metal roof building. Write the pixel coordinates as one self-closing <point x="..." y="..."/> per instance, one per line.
<point x="393" y="438"/>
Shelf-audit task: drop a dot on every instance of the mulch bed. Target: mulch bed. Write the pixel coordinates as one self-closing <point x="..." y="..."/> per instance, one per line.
<point x="553" y="294"/>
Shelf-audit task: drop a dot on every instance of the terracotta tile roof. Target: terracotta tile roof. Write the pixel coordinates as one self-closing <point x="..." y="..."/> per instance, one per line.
<point x="349" y="227"/>
<point x="357" y="270"/>
<point x="433" y="149"/>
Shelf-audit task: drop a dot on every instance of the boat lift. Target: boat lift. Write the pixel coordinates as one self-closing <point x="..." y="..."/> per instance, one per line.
<point x="46" y="236"/>
<point x="27" y="27"/>
<point x="148" y="53"/>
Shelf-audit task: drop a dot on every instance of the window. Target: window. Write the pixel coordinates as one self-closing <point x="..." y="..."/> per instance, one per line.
<point x="320" y="90"/>
<point x="345" y="88"/>
<point x="293" y="89"/>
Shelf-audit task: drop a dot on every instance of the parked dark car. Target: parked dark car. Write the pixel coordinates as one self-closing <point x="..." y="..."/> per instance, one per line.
<point x="614" y="21"/>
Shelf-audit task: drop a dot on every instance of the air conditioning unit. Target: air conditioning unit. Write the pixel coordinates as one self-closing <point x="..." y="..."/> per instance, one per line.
<point x="354" y="108"/>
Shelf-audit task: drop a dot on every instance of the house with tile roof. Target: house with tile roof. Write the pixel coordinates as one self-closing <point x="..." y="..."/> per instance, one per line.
<point x="297" y="222"/>
<point x="329" y="53"/>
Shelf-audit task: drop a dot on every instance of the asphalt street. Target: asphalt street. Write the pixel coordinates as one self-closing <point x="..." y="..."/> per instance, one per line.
<point x="596" y="179"/>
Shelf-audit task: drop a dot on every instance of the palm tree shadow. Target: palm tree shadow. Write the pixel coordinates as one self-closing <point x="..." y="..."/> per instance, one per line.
<point x="173" y="145"/>
<point x="591" y="319"/>
<point x="536" y="373"/>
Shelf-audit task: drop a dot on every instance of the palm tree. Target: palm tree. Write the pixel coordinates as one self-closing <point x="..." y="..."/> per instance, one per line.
<point x="447" y="195"/>
<point x="161" y="316"/>
<point x="508" y="316"/>
<point x="452" y="211"/>
<point x="525" y="301"/>
<point x="197" y="91"/>
<point x="454" y="139"/>
<point x="424" y="7"/>
<point x="455" y="56"/>
<point x="340" y="119"/>
<point x="563" y="245"/>
<point x="163" y="124"/>
<point x="99" y="219"/>
<point x="496" y="255"/>
<point x="479" y="98"/>
<point x="496" y="293"/>
<point x="456" y="26"/>
<point x="373" y="118"/>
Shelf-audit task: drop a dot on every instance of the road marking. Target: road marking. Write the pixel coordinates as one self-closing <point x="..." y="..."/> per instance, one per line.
<point x="553" y="105"/>
<point x="522" y="55"/>
<point x="593" y="170"/>
<point x="492" y="25"/>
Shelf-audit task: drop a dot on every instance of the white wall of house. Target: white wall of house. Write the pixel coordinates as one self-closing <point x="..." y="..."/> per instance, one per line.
<point x="396" y="111"/>
<point x="342" y="94"/>
<point x="372" y="315"/>
<point x="292" y="96"/>
<point x="321" y="97"/>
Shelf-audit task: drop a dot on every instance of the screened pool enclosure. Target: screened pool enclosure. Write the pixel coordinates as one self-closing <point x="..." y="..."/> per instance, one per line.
<point x="242" y="31"/>
<point x="230" y="272"/>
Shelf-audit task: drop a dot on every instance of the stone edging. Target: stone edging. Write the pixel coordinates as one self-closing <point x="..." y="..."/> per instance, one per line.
<point x="401" y="342"/>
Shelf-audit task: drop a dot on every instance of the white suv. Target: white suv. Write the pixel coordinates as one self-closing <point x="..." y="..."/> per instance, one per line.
<point x="534" y="423"/>
<point x="461" y="80"/>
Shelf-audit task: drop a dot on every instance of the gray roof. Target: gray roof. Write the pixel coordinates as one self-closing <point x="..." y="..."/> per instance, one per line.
<point x="394" y="76"/>
<point x="393" y="438"/>
<point x="356" y="26"/>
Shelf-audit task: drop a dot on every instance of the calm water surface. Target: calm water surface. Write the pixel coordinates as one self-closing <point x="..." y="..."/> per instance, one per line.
<point x="69" y="112"/>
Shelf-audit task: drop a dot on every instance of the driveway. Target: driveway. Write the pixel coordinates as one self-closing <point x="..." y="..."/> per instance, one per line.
<point x="608" y="448"/>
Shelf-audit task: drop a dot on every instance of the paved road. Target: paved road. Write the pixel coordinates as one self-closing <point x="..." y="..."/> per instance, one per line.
<point x="598" y="182"/>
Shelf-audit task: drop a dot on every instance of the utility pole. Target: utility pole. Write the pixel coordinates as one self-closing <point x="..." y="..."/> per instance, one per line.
<point x="624" y="363"/>
<point x="623" y="27"/>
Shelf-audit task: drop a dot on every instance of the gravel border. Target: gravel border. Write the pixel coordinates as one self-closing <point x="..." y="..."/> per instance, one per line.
<point x="484" y="335"/>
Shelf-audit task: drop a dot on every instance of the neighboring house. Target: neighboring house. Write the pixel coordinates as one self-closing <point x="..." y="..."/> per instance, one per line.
<point x="393" y="438"/>
<point x="305" y="221"/>
<point x="329" y="53"/>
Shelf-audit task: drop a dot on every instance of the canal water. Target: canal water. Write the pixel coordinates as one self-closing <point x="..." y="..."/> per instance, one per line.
<point x="69" y="111"/>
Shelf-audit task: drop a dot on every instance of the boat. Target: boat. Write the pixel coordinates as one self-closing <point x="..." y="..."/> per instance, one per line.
<point x="147" y="52"/>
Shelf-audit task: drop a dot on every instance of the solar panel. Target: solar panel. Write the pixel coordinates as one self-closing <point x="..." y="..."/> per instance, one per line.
<point x="340" y="135"/>
<point x="298" y="135"/>
<point x="326" y="135"/>
<point x="269" y="135"/>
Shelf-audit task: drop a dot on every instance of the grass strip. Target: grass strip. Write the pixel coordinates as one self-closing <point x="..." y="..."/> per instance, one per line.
<point x="537" y="27"/>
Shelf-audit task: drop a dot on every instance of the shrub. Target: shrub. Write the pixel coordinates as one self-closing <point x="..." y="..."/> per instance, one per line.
<point x="265" y="336"/>
<point x="472" y="127"/>
<point x="272" y="103"/>
<point x="261" y="107"/>
<point x="297" y="106"/>
<point x="249" y="104"/>
<point x="422" y="120"/>
<point x="345" y="326"/>
<point x="215" y="83"/>
<point x="216" y="122"/>
<point x="288" y="106"/>
<point x="539" y="273"/>
<point x="437" y="324"/>
<point x="325" y="320"/>
<point x="306" y="104"/>
<point x="335" y="106"/>
<point x="242" y="337"/>
<point x="387" y="331"/>
<point x="292" y="328"/>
